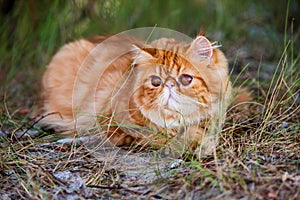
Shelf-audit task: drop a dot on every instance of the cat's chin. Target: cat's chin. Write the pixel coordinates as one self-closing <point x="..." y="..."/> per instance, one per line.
<point x="176" y="105"/>
<point x="172" y="104"/>
<point x="165" y="117"/>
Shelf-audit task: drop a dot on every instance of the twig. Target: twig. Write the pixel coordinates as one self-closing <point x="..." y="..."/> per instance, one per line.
<point x="34" y="123"/>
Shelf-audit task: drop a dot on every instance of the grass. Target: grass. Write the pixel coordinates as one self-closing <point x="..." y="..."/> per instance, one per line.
<point x="258" y="155"/>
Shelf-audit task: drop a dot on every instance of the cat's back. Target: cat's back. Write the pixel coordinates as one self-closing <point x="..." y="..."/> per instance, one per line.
<point x="60" y="74"/>
<point x="79" y="69"/>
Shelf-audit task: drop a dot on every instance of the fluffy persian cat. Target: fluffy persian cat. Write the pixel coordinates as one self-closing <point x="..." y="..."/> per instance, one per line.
<point x="164" y="93"/>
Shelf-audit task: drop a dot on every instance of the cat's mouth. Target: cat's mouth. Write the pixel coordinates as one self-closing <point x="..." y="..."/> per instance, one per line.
<point x="171" y="97"/>
<point x="170" y="100"/>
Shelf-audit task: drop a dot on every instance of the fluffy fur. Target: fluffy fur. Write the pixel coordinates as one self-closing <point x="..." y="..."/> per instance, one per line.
<point x="167" y="92"/>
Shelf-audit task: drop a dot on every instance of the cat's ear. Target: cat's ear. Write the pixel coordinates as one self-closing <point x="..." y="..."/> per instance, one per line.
<point x="201" y="31"/>
<point x="141" y="56"/>
<point x="201" y="49"/>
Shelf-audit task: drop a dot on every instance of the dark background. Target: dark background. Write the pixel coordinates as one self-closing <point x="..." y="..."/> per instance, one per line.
<point x="253" y="33"/>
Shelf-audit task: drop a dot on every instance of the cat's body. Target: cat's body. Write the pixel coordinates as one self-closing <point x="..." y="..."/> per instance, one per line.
<point x="140" y="94"/>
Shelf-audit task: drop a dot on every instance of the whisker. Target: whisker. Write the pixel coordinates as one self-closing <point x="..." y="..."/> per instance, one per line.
<point x="199" y="103"/>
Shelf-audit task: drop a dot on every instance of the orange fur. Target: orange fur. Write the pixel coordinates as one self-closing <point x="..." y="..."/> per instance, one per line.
<point x="158" y="92"/>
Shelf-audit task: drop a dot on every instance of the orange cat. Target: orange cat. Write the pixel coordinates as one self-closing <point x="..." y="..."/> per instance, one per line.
<point x="166" y="92"/>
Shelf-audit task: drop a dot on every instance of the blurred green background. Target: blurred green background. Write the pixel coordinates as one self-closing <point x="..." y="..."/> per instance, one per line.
<point x="251" y="31"/>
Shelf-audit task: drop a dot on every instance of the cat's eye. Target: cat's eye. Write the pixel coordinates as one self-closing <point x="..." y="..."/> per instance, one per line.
<point x="185" y="79"/>
<point x="156" y="81"/>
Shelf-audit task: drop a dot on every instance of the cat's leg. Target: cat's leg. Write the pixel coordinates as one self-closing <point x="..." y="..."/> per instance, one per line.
<point x="210" y="137"/>
<point x="119" y="138"/>
<point x="207" y="146"/>
<point x="194" y="140"/>
<point x="183" y="143"/>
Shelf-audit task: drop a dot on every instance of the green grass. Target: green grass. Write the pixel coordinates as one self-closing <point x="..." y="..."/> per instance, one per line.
<point x="258" y="155"/>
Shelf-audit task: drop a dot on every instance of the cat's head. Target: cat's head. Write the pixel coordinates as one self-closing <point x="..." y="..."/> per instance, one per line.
<point x="182" y="83"/>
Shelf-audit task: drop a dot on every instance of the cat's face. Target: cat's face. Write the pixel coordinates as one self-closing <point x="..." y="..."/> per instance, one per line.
<point x="171" y="87"/>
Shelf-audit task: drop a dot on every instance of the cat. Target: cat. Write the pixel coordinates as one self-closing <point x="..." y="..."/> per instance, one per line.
<point x="163" y="93"/>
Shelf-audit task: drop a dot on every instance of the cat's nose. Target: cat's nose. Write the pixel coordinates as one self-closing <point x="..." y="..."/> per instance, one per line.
<point x="170" y="84"/>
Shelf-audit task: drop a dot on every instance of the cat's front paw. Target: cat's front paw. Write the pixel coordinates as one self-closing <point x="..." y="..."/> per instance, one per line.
<point x="207" y="147"/>
<point x="174" y="149"/>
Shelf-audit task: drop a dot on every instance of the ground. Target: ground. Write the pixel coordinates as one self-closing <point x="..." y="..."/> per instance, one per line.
<point x="258" y="158"/>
